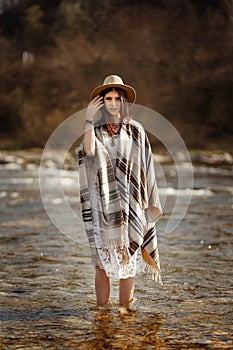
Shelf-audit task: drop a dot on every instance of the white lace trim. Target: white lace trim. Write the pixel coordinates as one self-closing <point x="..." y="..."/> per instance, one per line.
<point x="111" y="260"/>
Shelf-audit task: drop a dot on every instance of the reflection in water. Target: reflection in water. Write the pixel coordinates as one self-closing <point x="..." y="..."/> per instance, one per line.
<point x="134" y="330"/>
<point x="47" y="292"/>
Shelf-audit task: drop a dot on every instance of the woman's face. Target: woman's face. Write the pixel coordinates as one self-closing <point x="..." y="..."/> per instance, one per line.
<point x="112" y="102"/>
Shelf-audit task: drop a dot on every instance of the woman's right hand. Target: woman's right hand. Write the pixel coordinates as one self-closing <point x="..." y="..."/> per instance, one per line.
<point x="89" y="135"/>
<point x="93" y="107"/>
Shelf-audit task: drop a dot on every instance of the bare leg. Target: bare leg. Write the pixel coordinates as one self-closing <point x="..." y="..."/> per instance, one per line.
<point x="126" y="291"/>
<point x="102" y="287"/>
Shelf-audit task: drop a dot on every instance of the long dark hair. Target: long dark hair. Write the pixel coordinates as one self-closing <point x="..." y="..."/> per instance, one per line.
<point x="124" y="110"/>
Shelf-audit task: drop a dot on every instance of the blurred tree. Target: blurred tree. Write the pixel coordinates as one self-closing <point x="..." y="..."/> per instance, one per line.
<point x="10" y="113"/>
<point x="71" y="16"/>
<point x="33" y="28"/>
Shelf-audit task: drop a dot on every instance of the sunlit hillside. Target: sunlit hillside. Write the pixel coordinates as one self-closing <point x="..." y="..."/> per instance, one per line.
<point x="177" y="54"/>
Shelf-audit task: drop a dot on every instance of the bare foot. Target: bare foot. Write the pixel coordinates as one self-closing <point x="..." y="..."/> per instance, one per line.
<point x="125" y="309"/>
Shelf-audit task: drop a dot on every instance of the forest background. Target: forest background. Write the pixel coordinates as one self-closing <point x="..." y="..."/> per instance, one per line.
<point x="177" y="54"/>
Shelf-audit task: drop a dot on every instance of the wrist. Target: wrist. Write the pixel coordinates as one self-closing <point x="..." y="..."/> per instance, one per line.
<point x="90" y="121"/>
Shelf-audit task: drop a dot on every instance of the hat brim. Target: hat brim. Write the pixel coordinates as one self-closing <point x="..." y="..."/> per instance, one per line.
<point x="130" y="91"/>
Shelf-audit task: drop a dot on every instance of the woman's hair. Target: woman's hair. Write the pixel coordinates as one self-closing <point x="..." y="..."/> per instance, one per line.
<point x="124" y="110"/>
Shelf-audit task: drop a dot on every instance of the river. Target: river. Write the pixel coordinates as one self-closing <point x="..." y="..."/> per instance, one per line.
<point x="47" y="281"/>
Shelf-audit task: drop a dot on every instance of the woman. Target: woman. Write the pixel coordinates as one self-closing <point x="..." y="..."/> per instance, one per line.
<point x="118" y="192"/>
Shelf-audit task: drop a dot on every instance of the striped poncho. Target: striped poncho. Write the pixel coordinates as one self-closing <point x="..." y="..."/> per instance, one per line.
<point x="120" y="195"/>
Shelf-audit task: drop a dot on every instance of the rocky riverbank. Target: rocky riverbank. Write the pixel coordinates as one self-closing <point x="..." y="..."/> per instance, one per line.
<point x="30" y="159"/>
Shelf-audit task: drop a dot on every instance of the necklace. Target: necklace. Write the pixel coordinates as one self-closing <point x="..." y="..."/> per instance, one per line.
<point x="113" y="132"/>
<point x="113" y="137"/>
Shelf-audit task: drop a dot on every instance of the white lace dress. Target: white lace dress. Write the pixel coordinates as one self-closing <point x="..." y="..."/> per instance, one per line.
<point x="111" y="260"/>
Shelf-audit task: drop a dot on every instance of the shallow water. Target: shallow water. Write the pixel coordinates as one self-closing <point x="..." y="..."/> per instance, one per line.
<point x="47" y="289"/>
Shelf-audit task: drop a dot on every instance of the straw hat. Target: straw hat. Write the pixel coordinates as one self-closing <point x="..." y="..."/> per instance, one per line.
<point x="115" y="81"/>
